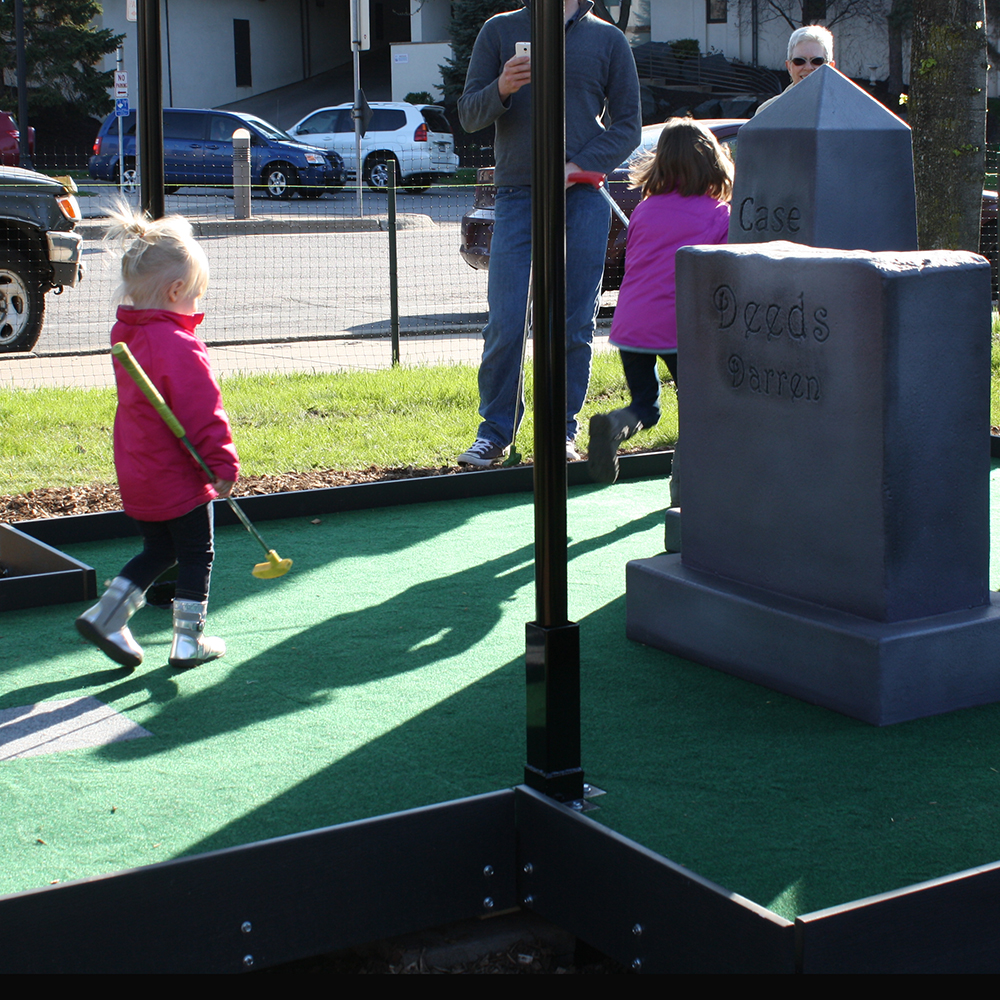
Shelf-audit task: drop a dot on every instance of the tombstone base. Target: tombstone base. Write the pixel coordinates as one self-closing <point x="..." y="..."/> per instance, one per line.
<point x="672" y="529"/>
<point x="878" y="672"/>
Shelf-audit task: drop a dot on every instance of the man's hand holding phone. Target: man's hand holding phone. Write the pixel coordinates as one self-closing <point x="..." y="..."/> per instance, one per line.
<point x="516" y="71"/>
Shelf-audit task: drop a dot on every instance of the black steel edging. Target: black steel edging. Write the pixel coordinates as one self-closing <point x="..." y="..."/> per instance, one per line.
<point x="271" y="902"/>
<point x="950" y="924"/>
<point x="306" y="894"/>
<point x="649" y="913"/>
<point x="361" y="496"/>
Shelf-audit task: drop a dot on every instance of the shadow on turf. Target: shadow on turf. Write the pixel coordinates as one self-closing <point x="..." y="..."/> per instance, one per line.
<point x="431" y="622"/>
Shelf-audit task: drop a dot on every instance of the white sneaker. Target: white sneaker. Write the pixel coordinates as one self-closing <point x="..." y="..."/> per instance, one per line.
<point x="482" y="454"/>
<point x="572" y="455"/>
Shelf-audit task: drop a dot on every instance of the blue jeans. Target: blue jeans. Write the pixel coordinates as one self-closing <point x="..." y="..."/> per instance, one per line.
<point x="587" y="219"/>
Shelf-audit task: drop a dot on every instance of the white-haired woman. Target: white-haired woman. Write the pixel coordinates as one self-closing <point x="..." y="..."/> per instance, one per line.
<point x="809" y="48"/>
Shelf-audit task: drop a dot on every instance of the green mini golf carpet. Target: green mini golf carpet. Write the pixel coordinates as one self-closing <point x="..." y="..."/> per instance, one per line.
<point x="385" y="671"/>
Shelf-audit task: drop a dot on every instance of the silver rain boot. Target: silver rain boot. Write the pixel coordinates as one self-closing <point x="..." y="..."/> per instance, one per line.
<point x="191" y="648"/>
<point x="106" y="623"/>
<point x="607" y="432"/>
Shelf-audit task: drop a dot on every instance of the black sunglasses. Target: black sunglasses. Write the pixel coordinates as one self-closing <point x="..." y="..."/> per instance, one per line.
<point x="799" y="61"/>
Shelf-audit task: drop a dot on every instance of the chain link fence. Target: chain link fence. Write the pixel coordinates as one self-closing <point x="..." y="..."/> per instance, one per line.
<point x="302" y="285"/>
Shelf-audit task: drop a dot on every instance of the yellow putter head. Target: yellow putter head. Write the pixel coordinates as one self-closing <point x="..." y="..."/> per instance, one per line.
<point x="274" y="567"/>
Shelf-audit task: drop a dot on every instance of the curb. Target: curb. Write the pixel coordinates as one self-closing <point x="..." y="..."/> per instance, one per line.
<point x="95" y="229"/>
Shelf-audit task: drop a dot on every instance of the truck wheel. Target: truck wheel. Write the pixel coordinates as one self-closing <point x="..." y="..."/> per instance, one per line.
<point x="22" y="304"/>
<point x="377" y="168"/>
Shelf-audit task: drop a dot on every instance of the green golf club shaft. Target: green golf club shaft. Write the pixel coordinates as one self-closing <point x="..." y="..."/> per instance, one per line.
<point x="141" y="379"/>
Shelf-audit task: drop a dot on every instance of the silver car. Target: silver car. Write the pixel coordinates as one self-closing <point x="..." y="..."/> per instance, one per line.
<point x="417" y="137"/>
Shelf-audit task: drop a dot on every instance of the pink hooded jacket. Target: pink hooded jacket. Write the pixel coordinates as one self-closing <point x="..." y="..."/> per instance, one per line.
<point x="158" y="479"/>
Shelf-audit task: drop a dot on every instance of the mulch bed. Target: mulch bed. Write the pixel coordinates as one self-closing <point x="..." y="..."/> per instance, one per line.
<point x="61" y="501"/>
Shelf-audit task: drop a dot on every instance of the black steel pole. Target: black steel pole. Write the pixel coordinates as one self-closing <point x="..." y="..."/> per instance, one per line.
<point x="24" y="147"/>
<point x="150" y="110"/>
<point x="552" y="643"/>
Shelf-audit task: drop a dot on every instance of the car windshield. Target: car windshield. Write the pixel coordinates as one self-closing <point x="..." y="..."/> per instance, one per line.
<point x="267" y="128"/>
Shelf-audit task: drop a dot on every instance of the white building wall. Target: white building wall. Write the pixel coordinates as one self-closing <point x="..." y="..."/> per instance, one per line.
<point x="860" y="44"/>
<point x="202" y="70"/>
<point x="416" y="67"/>
<point x="670" y="21"/>
<point x="430" y="21"/>
<point x="198" y="50"/>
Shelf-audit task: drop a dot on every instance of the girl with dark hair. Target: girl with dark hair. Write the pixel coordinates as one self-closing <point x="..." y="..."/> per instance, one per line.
<point x="686" y="188"/>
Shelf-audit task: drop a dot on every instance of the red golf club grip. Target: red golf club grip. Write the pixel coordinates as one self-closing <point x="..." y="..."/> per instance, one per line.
<point x="592" y="177"/>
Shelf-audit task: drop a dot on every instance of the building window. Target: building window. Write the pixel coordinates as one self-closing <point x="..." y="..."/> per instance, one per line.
<point x="717" y="11"/>
<point x="241" y="46"/>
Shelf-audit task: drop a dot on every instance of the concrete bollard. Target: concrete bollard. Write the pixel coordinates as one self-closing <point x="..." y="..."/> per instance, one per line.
<point x="241" y="174"/>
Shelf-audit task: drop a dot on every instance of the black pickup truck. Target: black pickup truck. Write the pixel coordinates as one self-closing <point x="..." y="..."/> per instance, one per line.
<point x="38" y="250"/>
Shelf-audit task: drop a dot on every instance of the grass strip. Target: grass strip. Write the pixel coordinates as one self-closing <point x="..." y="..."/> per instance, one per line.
<point x="422" y="417"/>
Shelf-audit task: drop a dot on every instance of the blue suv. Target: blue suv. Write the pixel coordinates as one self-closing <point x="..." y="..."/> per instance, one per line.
<point x="198" y="150"/>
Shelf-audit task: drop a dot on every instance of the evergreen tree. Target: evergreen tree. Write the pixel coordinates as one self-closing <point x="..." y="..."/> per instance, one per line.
<point x="62" y="49"/>
<point x="467" y="18"/>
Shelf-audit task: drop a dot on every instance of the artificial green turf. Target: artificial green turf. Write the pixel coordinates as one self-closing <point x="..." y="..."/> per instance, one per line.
<point x="386" y="671"/>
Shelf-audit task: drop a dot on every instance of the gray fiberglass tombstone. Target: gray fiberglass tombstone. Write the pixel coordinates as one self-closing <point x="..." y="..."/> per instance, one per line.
<point x="825" y="165"/>
<point x="836" y="479"/>
<point x="828" y="166"/>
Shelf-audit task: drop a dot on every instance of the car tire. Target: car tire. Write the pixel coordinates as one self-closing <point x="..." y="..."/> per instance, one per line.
<point x="377" y="170"/>
<point x="172" y="189"/>
<point x="22" y="303"/>
<point x="130" y="178"/>
<point x="279" y="180"/>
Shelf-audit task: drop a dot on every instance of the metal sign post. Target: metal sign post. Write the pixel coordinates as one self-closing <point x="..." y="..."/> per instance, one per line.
<point x="121" y="112"/>
<point x="360" y="39"/>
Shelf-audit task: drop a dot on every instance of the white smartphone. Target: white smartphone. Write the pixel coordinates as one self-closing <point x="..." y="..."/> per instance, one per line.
<point x="522" y="49"/>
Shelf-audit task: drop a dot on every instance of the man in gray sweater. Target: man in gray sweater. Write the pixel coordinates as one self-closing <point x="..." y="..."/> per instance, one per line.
<point x="601" y="84"/>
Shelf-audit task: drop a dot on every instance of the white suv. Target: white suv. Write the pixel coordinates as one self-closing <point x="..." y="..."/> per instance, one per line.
<point x="417" y="136"/>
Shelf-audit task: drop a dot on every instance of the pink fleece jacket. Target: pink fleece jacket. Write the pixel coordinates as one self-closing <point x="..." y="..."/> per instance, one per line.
<point x="158" y="479"/>
<point x="646" y="314"/>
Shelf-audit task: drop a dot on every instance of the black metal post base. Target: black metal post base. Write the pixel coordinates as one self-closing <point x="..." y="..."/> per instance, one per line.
<point x="552" y="656"/>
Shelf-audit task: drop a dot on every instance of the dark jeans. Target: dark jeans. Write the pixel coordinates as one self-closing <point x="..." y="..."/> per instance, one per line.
<point x="185" y="541"/>
<point x="644" y="383"/>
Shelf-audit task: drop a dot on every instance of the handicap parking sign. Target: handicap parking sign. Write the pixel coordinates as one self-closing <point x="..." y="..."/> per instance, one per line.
<point x="121" y="107"/>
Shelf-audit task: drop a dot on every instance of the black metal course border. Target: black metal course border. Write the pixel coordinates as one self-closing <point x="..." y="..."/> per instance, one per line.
<point x="363" y="496"/>
<point x="275" y="901"/>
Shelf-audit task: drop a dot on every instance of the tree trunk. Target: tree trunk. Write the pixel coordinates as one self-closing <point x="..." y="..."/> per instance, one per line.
<point x="948" y="115"/>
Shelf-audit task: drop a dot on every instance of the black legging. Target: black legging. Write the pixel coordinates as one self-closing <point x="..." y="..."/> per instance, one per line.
<point x="186" y="541"/>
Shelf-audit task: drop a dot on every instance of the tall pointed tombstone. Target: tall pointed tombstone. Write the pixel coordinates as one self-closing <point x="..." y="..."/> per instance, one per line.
<point x="836" y="466"/>
<point x="825" y="165"/>
<point x="828" y="166"/>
